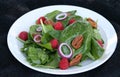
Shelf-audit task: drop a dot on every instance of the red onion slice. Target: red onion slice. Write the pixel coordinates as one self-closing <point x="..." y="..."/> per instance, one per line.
<point x="61" y="16"/>
<point x="39" y="29"/>
<point x="62" y="54"/>
<point x="37" y="38"/>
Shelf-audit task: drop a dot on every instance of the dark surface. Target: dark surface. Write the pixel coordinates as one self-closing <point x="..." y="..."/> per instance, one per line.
<point x="10" y="10"/>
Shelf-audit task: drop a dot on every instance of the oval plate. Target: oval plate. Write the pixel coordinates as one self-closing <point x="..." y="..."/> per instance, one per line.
<point x="24" y="22"/>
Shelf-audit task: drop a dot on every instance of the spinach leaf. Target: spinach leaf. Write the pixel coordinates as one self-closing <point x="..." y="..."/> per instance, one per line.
<point x="45" y="38"/>
<point x="37" y="56"/>
<point x="47" y="46"/>
<point x="46" y="28"/>
<point x="65" y="22"/>
<point x="76" y="17"/>
<point x="52" y="15"/>
<point x="65" y="50"/>
<point x="53" y="61"/>
<point x="96" y="34"/>
<point x="55" y="34"/>
<point x="96" y="49"/>
<point x="33" y="30"/>
<point x="72" y="31"/>
<point x="72" y="12"/>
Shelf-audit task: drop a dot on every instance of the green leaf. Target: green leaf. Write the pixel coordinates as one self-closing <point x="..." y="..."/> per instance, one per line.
<point x="52" y="15"/>
<point x="54" y="61"/>
<point x="55" y="34"/>
<point x="76" y="17"/>
<point x="37" y="56"/>
<point x="72" y="31"/>
<point x="46" y="28"/>
<point x="45" y="66"/>
<point x="72" y="12"/>
<point x="20" y="40"/>
<point x="65" y="50"/>
<point x="47" y="46"/>
<point x="65" y="22"/>
<point x="90" y="56"/>
<point x="33" y="29"/>
<point x="45" y="38"/>
<point x="96" y="34"/>
<point x="96" y="49"/>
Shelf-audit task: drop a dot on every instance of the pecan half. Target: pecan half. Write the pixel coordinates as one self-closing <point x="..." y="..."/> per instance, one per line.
<point x="92" y="22"/>
<point x="76" y="60"/>
<point x="49" y="22"/>
<point x="77" y="42"/>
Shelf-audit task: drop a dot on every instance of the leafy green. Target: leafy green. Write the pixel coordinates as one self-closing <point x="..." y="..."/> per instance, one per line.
<point x="55" y="34"/>
<point x="33" y="30"/>
<point x="45" y="38"/>
<point x="72" y="12"/>
<point x="20" y="40"/>
<point x="47" y="46"/>
<point x="72" y="31"/>
<point x="52" y="15"/>
<point x="46" y="28"/>
<point x="54" y="60"/>
<point x="96" y="49"/>
<point x="37" y="56"/>
<point x="97" y="34"/>
<point x="76" y="17"/>
<point x="65" y="50"/>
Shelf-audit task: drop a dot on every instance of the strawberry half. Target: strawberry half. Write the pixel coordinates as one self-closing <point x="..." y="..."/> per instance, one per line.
<point x="54" y="43"/>
<point x="64" y="63"/>
<point x="58" y="26"/>
<point x="23" y="35"/>
<point x="41" y="18"/>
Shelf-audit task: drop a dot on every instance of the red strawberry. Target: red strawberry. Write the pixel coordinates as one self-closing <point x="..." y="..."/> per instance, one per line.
<point x="100" y="43"/>
<point x="23" y="35"/>
<point x="64" y="63"/>
<point x="54" y="43"/>
<point x="43" y="19"/>
<point x="71" y="21"/>
<point x="58" y="26"/>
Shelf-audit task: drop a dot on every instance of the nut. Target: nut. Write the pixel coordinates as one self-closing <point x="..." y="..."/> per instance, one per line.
<point x="49" y="22"/>
<point x="77" y="42"/>
<point x="92" y="22"/>
<point x="76" y="60"/>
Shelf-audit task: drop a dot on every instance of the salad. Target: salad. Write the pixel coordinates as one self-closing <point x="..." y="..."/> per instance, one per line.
<point x="61" y="40"/>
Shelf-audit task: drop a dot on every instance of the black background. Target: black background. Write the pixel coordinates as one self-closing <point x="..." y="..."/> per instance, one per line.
<point x="10" y="10"/>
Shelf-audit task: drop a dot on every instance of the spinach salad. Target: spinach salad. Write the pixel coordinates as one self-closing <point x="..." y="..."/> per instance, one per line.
<point x="61" y="40"/>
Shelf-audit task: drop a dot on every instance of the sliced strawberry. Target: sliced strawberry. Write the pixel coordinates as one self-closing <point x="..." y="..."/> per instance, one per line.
<point x="100" y="43"/>
<point x="64" y="63"/>
<point x="54" y="43"/>
<point x="58" y="26"/>
<point x="41" y="18"/>
<point x="71" y="21"/>
<point x="23" y="35"/>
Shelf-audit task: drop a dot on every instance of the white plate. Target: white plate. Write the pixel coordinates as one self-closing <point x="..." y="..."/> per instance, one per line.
<point x="24" y="22"/>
